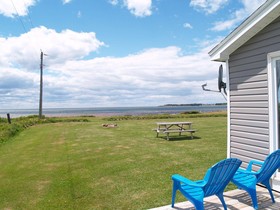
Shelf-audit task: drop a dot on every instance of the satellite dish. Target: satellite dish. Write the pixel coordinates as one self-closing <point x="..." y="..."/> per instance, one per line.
<point x="221" y="84"/>
<point x="220" y="78"/>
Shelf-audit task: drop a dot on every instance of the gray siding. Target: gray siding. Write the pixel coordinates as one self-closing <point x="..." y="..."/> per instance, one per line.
<point x="249" y="127"/>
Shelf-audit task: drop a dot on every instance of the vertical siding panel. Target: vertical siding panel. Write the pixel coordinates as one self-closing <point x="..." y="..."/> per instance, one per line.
<point x="249" y="95"/>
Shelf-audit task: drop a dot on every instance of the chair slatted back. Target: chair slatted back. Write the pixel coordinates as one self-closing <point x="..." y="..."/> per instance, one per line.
<point x="219" y="175"/>
<point x="271" y="164"/>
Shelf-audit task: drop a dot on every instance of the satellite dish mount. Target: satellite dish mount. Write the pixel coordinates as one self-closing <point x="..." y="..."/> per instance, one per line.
<point x="221" y="84"/>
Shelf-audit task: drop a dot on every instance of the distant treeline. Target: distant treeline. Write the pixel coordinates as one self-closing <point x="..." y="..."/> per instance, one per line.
<point x="196" y="104"/>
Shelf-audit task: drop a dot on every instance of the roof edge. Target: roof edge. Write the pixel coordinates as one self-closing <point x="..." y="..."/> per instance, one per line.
<point x="220" y="53"/>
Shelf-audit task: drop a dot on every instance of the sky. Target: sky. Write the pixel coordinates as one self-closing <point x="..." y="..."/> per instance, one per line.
<point x="113" y="53"/>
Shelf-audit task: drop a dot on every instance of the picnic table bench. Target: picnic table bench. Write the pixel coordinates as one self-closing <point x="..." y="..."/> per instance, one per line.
<point x="174" y="127"/>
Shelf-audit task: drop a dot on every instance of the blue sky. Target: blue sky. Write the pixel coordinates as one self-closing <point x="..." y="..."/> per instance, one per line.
<point x="103" y="53"/>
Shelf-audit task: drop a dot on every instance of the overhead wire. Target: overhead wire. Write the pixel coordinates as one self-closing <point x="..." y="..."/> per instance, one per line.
<point x="18" y="17"/>
<point x="30" y="20"/>
<point x="23" y="25"/>
<point x="41" y="54"/>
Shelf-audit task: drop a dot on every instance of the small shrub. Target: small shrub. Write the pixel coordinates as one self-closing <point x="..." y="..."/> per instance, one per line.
<point x="8" y="131"/>
<point x="191" y="112"/>
<point x="14" y="129"/>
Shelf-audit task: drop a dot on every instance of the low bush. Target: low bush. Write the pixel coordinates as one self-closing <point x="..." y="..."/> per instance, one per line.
<point x="19" y="124"/>
<point x="192" y="114"/>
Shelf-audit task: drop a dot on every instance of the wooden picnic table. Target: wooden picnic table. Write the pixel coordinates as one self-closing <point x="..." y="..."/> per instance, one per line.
<point x="174" y="127"/>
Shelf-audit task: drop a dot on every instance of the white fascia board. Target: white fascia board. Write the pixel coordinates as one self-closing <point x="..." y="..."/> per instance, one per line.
<point x="228" y="111"/>
<point x="269" y="11"/>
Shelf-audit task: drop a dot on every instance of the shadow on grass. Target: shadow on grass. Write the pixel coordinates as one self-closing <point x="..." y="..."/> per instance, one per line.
<point x="180" y="138"/>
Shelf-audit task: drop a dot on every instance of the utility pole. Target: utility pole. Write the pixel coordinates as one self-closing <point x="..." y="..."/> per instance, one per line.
<point x="41" y="85"/>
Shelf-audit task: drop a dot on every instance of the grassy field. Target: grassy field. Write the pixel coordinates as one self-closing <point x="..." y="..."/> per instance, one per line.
<point x="81" y="165"/>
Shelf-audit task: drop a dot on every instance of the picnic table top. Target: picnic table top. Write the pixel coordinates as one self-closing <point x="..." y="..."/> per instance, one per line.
<point x="174" y="123"/>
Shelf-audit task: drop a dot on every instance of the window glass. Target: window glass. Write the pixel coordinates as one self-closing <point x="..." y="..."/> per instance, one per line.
<point x="277" y="68"/>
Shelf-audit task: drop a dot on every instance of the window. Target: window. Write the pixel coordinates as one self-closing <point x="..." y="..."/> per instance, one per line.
<point x="276" y="68"/>
<point x="274" y="99"/>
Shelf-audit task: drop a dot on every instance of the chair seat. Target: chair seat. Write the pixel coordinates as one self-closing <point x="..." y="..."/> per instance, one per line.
<point x="244" y="179"/>
<point x="195" y="192"/>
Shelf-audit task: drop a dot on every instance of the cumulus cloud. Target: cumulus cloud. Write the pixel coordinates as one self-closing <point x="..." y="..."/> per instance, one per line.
<point x="15" y="7"/>
<point x="113" y="2"/>
<point x="187" y="25"/>
<point x="12" y="78"/>
<point x="248" y="8"/>
<point x="24" y="50"/>
<point x="66" y="1"/>
<point x="208" y="6"/>
<point x="161" y="73"/>
<point x="164" y="74"/>
<point x="79" y="14"/>
<point x="139" y="8"/>
<point x="17" y="88"/>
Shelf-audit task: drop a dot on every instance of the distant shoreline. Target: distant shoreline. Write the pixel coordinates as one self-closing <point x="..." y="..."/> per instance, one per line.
<point x="112" y="111"/>
<point x="195" y="104"/>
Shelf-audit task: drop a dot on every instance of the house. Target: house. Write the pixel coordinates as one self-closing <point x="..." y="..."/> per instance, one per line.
<point x="252" y="56"/>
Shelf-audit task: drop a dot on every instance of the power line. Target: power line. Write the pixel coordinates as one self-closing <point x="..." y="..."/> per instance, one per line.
<point x="18" y="17"/>
<point x="29" y="18"/>
<point x="41" y="58"/>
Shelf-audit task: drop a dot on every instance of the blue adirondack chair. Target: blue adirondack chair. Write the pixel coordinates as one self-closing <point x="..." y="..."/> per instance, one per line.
<point x="247" y="179"/>
<point x="214" y="183"/>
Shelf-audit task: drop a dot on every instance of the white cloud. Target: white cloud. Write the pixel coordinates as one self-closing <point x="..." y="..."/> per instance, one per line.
<point x="15" y="7"/>
<point x="227" y="24"/>
<point x="139" y="8"/>
<point x="238" y="16"/>
<point x="113" y="2"/>
<point x="66" y="1"/>
<point x="161" y="73"/>
<point x="251" y="6"/>
<point x="79" y="14"/>
<point x="164" y="74"/>
<point x="19" y="64"/>
<point x="17" y="88"/>
<point x="22" y="51"/>
<point x="187" y="25"/>
<point x="208" y="6"/>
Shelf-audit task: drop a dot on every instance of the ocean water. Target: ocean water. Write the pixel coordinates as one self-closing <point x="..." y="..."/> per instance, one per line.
<point x="111" y="111"/>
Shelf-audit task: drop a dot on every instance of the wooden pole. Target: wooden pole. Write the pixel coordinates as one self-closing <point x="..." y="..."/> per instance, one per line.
<point x="41" y="86"/>
<point x="9" y="118"/>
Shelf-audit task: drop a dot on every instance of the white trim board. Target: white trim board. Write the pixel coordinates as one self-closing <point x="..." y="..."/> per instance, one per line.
<point x="262" y="17"/>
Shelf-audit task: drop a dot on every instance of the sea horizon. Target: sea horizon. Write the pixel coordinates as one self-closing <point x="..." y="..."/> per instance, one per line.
<point x="112" y="111"/>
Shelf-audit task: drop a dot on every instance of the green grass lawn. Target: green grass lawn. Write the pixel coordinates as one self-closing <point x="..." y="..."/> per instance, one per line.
<point x="81" y="165"/>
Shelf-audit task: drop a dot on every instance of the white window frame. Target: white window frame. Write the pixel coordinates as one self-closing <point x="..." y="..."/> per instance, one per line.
<point x="273" y="102"/>
<point x="228" y="110"/>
